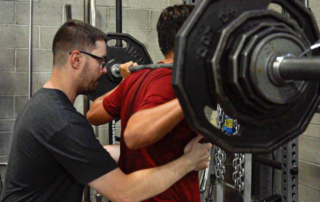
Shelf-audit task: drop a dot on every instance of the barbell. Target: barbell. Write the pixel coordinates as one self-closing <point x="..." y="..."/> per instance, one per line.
<point x="253" y="62"/>
<point x="244" y="56"/>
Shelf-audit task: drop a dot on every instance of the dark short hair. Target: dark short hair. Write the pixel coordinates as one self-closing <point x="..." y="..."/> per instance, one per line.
<point x="74" y="35"/>
<point x="170" y="21"/>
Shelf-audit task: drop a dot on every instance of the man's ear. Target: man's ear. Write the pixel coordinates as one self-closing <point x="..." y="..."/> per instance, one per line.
<point x="75" y="59"/>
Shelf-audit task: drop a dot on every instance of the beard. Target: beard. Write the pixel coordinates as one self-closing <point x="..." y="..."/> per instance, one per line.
<point x="87" y="82"/>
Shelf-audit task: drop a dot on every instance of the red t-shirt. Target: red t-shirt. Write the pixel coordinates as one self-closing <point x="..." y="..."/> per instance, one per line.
<point x="142" y="90"/>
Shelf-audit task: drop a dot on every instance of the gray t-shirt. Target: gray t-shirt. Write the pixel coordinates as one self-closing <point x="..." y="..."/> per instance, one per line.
<point x="54" y="152"/>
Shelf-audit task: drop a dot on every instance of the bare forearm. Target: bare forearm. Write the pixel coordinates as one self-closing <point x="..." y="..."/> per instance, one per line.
<point x="142" y="184"/>
<point x="97" y="115"/>
<point x="150" y="125"/>
<point x="155" y="183"/>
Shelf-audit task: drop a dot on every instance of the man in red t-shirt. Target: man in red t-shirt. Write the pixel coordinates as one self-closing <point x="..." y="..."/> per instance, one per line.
<point x="153" y="129"/>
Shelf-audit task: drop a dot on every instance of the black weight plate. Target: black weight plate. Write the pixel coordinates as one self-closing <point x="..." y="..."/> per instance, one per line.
<point x="219" y="64"/>
<point x="276" y="44"/>
<point x="244" y="77"/>
<point x="195" y="84"/>
<point x="234" y="68"/>
<point x="191" y="75"/>
<point x="133" y="51"/>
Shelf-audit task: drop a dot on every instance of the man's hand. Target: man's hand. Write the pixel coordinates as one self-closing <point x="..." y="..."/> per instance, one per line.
<point x="124" y="69"/>
<point x="197" y="153"/>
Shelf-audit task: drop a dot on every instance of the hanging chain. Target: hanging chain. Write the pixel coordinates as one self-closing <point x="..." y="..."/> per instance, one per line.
<point x="219" y="168"/>
<point x="220" y="155"/>
<point x="238" y="174"/>
<point x="230" y="127"/>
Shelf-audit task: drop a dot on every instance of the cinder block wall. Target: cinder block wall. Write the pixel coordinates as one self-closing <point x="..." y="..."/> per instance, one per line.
<point x="139" y="20"/>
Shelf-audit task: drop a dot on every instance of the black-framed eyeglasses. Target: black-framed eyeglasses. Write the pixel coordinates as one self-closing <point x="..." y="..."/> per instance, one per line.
<point x="102" y="60"/>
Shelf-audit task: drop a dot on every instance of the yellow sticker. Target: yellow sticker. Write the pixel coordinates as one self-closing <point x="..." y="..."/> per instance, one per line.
<point x="228" y="123"/>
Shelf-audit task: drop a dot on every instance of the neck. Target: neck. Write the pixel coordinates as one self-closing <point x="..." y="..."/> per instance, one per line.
<point x="169" y="57"/>
<point x="60" y="81"/>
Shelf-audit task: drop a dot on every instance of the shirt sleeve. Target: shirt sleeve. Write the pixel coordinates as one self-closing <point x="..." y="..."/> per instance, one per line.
<point x="112" y="103"/>
<point x="77" y="149"/>
<point x="160" y="89"/>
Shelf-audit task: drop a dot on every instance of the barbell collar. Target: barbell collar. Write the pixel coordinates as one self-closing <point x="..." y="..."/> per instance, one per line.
<point x="307" y="69"/>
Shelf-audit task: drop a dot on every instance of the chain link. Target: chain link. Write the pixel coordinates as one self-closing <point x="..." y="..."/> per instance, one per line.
<point x="220" y="156"/>
<point x="238" y="174"/>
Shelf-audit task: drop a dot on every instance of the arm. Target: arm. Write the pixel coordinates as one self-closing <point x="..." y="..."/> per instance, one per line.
<point x="148" y="126"/>
<point x="114" y="151"/>
<point x="144" y="184"/>
<point x="97" y="115"/>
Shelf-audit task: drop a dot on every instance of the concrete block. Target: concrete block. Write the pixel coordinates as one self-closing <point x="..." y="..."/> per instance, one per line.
<point x="156" y="56"/>
<point x="316" y="13"/>
<point x="13" y="36"/>
<point x="63" y="2"/>
<point x="7" y="61"/>
<point x="23" y="13"/>
<point x="309" y="149"/>
<point x="46" y="36"/>
<point x="6" y="125"/>
<point x="42" y="60"/>
<point x="133" y="19"/>
<point x="154" y="19"/>
<point x="5" y="143"/>
<point x="101" y="17"/>
<point x="22" y="60"/>
<point x="77" y="12"/>
<point x="275" y="7"/>
<point x="103" y="136"/>
<point x="148" y="38"/>
<point x="13" y="83"/>
<point x="313" y="177"/>
<point x="35" y="1"/>
<point x="21" y="84"/>
<point x="303" y="172"/>
<point x="42" y="79"/>
<point x="45" y="14"/>
<point x="6" y="107"/>
<point x="7" y="12"/>
<point x="110" y="3"/>
<point x="314" y="4"/>
<point x="316" y="119"/>
<point x="173" y="2"/>
<point x="308" y="195"/>
<point x="157" y="4"/>
<point x="313" y="130"/>
<point x="7" y="84"/>
<point x="20" y="102"/>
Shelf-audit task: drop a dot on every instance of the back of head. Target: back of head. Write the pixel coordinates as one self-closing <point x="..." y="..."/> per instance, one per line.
<point x="169" y="23"/>
<point x="74" y="35"/>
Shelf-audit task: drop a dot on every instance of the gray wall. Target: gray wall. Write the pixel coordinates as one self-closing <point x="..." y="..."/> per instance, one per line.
<point x="139" y="20"/>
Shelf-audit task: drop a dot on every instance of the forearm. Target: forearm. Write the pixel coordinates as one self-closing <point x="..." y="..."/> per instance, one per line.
<point x="142" y="184"/>
<point x="150" y="125"/>
<point x="145" y="187"/>
<point x="97" y="115"/>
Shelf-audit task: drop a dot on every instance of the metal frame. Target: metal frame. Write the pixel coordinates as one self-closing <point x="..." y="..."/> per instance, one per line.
<point x="289" y="172"/>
